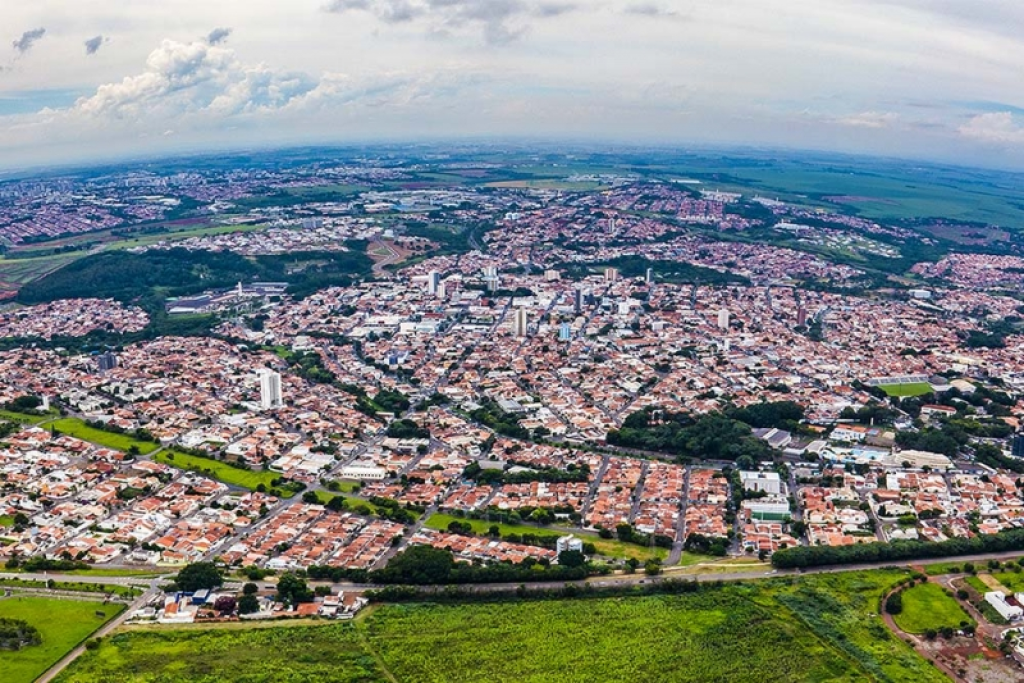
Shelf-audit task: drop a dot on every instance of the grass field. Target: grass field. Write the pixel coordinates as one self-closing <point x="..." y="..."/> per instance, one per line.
<point x="977" y="584"/>
<point x="6" y="521"/>
<point x="814" y="628"/>
<point x="911" y="389"/>
<point x="220" y="471"/>
<point x="21" y="418"/>
<point x="304" y="654"/>
<point x="927" y="607"/>
<point x="1012" y="580"/>
<point x="552" y="184"/>
<point x="939" y="568"/>
<point x="72" y="426"/>
<point x="63" y="624"/>
<point x="606" y="547"/>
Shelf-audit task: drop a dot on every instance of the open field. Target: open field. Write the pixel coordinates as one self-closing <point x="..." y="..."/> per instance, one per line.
<point x="607" y="547"/>
<point x="977" y="584"/>
<point x="221" y="471"/>
<point x="911" y="389"/>
<point x="6" y="521"/>
<point x="927" y="607"/>
<point x="72" y="426"/>
<point x="802" y="630"/>
<point x="146" y="240"/>
<point x="940" y="568"/>
<point x="21" y="418"/>
<point x="63" y="624"/>
<point x="16" y="272"/>
<point x="543" y="184"/>
<point x="304" y="654"/>
<point x="1014" y="581"/>
<point x="73" y="586"/>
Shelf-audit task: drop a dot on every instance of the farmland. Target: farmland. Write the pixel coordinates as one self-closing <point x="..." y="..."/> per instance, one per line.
<point x="606" y="547"/>
<point x="63" y="624"/>
<point x="926" y="607"/>
<point x="809" y="629"/>
<point x="122" y="442"/>
<point x="221" y="471"/>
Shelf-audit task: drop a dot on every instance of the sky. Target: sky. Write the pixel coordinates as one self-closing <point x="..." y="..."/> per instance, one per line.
<point x="935" y="80"/>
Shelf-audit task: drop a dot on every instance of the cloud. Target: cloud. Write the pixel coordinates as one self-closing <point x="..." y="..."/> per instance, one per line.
<point x="499" y="21"/>
<point x="997" y="128"/>
<point x="650" y="9"/>
<point x="94" y="44"/>
<point x="28" y="39"/>
<point x="218" y="36"/>
<point x="870" y="119"/>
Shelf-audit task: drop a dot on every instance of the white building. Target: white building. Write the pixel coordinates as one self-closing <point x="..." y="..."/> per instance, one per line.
<point x="363" y="471"/>
<point x="769" y="482"/>
<point x="570" y="542"/>
<point x="433" y="280"/>
<point x="723" y="319"/>
<point x="520" y="322"/>
<point x="270" y="389"/>
<point x="1007" y="611"/>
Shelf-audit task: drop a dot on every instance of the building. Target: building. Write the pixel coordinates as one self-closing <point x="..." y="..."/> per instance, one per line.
<point x="270" y="389"/>
<point x="930" y="411"/>
<point x="433" y="280"/>
<point x="363" y="471"/>
<point x="106" y="361"/>
<point x="567" y="543"/>
<point x="769" y="482"/>
<point x="1007" y="611"/>
<point x="611" y="274"/>
<point x="649" y="276"/>
<point x="564" y="332"/>
<point x="552" y="275"/>
<point x="577" y="301"/>
<point x="520" y="322"/>
<point x="723" y="319"/>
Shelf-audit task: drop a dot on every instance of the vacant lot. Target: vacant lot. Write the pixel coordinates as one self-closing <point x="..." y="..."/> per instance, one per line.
<point x="74" y="427"/>
<point x="926" y="607"/>
<point x="304" y="654"/>
<point x="63" y="624"/>
<point x="221" y="471"/>
<point x="802" y="630"/>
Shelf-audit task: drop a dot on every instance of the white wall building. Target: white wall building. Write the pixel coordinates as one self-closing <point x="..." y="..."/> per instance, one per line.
<point x="270" y="389"/>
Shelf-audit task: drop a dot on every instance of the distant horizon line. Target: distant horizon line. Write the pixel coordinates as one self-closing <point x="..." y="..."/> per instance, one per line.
<point x="612" y="145"/>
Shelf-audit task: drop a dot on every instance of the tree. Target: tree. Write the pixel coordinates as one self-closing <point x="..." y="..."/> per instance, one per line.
<point x="310" y="498"/>
<point x="248" y="604"/>
<point x="293" y="589"/>
<point x="225" y="604"/>
<point x="894" y="603"/>
<point x="250" y="589"/>
<point x="198" y="576"/>
<point x="571" y="558"/>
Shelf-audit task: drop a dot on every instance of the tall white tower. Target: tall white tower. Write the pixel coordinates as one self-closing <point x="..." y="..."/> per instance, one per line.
<point x="270" y="389"/>
<point x="520" y="322"/>
<point x="723" y="319"/>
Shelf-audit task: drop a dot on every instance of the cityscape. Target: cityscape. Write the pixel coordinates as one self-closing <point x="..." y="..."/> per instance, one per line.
<point x="436" y="341"/>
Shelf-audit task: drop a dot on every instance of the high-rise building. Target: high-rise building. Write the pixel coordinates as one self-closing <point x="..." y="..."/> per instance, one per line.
<point x="433" y="280"/>
<point x="565" y="332"/>
<point x="723" y="319"/>
<point x="649" y="276"/>
<point x="611" y="274"/>
<point x="442" y="291"/>
<point x="490" y="272"/>
<point x="106" y="361"/>
<point x="520" y="322"/>
<point x="577" y="301"/>
<point x="552" y="275"/>
<point x="270" y="389"/>
<point x="801" y="316"/>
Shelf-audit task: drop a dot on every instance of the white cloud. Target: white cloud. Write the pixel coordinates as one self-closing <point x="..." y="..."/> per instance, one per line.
<point x="1000" y="128"/>
<point x="870" y="119"/>
<point x="500" y="21"/>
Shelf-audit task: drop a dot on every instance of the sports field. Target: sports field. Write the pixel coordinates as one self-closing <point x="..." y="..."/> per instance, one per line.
<point x="903" y="390"/>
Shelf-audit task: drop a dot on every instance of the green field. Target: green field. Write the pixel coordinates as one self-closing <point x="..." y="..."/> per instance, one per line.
<point x="63" y="624"/>
<point x="221" y="471"/>
<point x="301" y="654"/>
<point x="977" y="584"/>
<point x="814" y="628"/>
<point x="21" y="418"/>
<point x="911" y="389"/>
<point x="6" y="521"/>
<point x="606" y="547"/>
<point x="927" y="607"/>
<point x="1012" y="580"/>
<point x="146" y="240"/>
<point x="72" y="426"/>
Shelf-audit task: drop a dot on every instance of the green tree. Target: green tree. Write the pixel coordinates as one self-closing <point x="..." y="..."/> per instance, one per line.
<point x="198" y="576"/>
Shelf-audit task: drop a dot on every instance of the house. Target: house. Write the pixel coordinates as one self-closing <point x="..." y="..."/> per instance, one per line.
<point x="930" y="411"/>
<point x="1007" y="611"/>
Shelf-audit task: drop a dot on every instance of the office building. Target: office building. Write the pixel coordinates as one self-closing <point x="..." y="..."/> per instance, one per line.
<point x="270" y="389"/>
<point x="106" y="361"/>
<point x="723" y="319"/>
<point x="433" y="280"/>
<point x="564" y="332"/>
<point x="611" y="274"/>
<point x="519" y="323"/>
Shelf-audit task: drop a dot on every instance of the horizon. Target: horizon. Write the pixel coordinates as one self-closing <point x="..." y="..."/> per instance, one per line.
<point x="897" y="78"/>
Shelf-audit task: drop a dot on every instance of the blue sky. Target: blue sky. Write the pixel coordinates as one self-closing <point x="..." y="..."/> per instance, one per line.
<point x="930" y="79"/>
